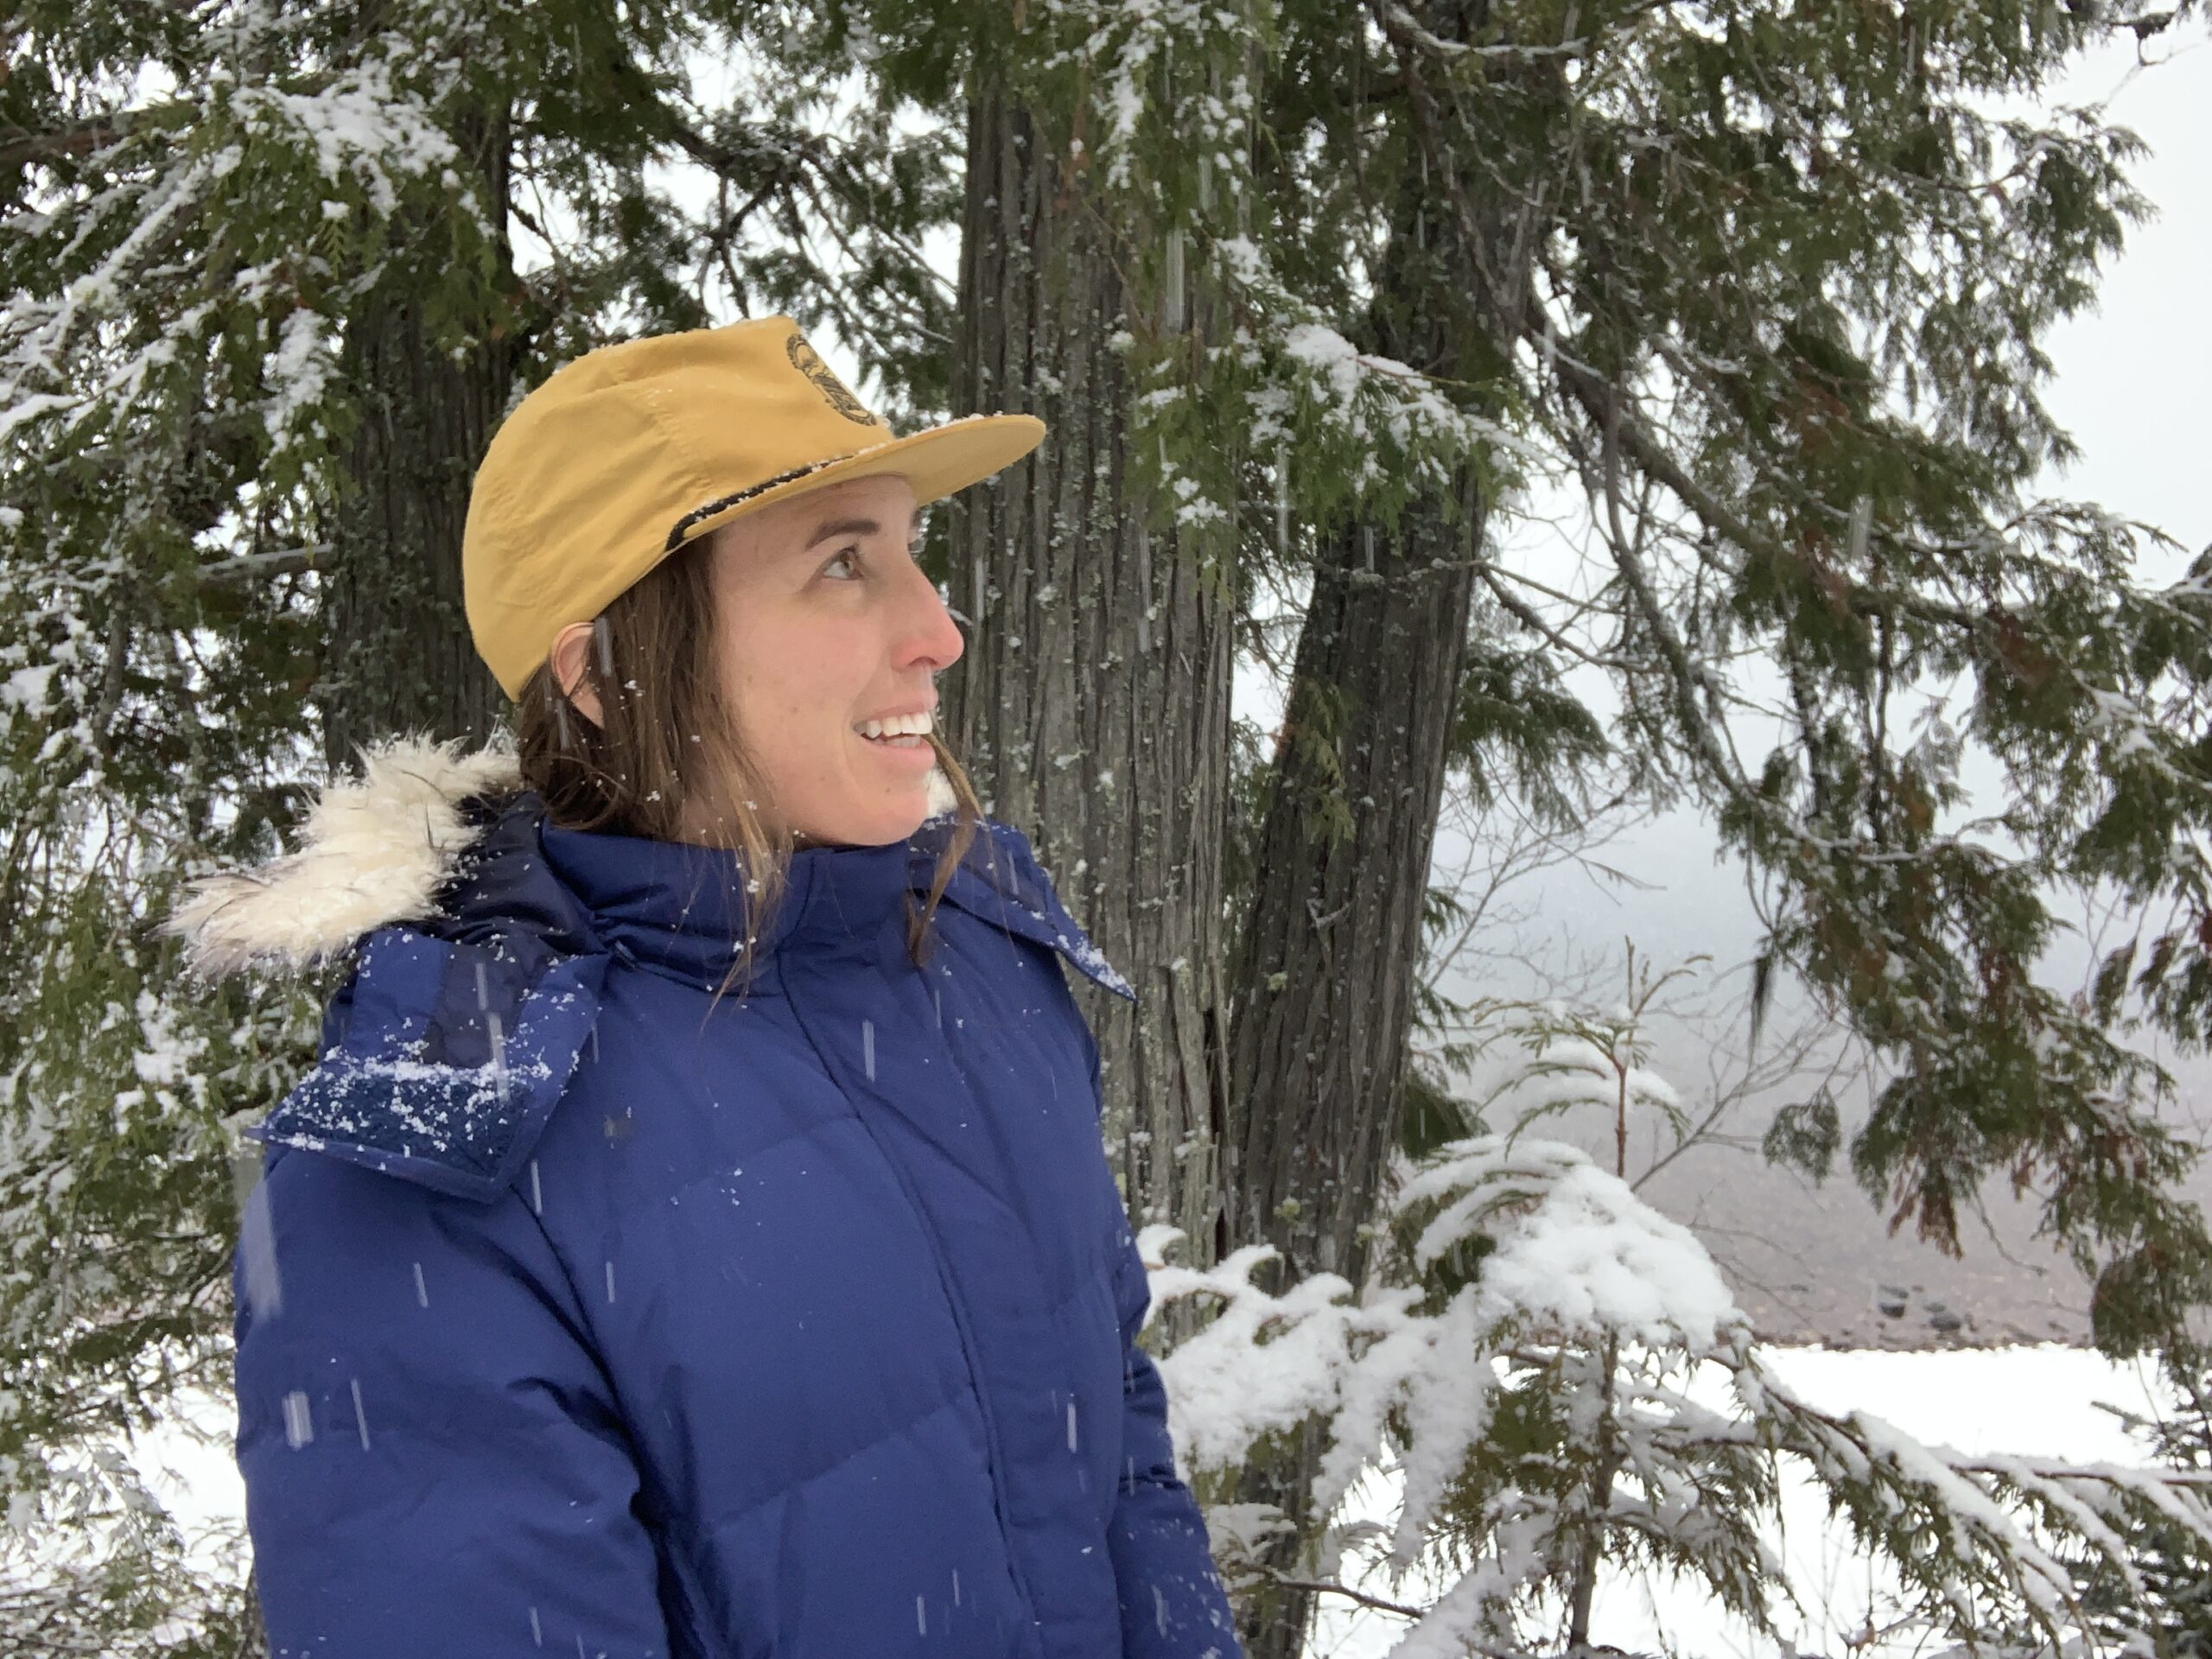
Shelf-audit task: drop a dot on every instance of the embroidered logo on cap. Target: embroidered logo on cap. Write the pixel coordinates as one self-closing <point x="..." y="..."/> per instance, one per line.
<point x="808" y="362"/>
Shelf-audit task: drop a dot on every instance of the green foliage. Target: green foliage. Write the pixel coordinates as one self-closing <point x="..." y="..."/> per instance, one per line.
<point x="2169" y="1571"/>
<point x="1784" y="283"/>
<point x="1432" y="1115"/>
<point x="120" y="1095"/>
<point x="1805" y="1135"/>
<point x="1517" y="729"/>
<point x="1787" y="283"/>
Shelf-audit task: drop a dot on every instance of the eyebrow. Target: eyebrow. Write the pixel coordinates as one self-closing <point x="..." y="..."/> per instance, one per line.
<point x="853" y="527"/>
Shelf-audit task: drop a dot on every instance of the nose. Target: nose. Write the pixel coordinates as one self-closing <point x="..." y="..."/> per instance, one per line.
<point x="928" y="637"/>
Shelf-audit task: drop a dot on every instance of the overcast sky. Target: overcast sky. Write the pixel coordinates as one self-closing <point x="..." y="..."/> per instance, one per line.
<point x="2134" y="377"/>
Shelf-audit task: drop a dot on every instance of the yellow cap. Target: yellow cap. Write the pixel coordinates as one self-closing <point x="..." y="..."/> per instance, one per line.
<point x="631" y="451"/>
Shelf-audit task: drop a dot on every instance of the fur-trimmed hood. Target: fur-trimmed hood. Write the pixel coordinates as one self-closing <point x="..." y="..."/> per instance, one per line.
<point x="373" y="851"/>
<point x="479" y="938"/>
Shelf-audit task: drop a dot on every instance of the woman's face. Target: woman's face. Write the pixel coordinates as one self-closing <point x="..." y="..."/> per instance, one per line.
<point x="825" y="625"/>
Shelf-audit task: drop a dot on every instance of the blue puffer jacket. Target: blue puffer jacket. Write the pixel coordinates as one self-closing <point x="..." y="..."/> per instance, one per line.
<point x="581" y="1313"/>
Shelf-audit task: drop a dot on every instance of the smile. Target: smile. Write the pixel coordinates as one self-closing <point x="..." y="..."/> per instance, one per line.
<point x="901" y="732"/>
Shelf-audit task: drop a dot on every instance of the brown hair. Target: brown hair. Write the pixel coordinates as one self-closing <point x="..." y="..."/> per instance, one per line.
<point x="669" y="756"/>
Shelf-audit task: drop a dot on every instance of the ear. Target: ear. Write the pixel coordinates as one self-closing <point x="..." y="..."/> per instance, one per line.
<point x="568" y="659"/>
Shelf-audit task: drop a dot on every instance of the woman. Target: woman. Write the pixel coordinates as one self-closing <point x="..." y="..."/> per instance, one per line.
<point x="696" y="1237"/>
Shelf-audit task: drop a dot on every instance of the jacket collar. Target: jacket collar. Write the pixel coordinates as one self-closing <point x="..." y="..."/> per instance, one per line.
<point x="682" y="910"/>
<point x="448" y="844"/>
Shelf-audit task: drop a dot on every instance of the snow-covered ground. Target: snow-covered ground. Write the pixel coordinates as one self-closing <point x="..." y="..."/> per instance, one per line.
<point x="2045" y="1401"/>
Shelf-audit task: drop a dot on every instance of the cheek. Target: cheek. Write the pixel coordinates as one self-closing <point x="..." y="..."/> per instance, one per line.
<point x="793" y="678"/>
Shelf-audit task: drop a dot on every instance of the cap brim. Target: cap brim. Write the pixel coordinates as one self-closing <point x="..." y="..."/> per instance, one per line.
<point x="936" y="462"/>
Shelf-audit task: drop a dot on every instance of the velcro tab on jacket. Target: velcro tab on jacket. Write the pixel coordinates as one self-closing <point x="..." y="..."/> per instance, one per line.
<point x="1000" y="880"/>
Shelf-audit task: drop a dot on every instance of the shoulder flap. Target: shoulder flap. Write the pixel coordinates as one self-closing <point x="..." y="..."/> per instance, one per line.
<point x="442" y="1060"/>
<point x="1000" y="881"/>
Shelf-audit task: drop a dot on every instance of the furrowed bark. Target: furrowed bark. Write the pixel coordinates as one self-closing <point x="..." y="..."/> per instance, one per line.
<point x="1324" y="963"/>
<point x="1091" y="705"/>
<point x="397" y="652"/>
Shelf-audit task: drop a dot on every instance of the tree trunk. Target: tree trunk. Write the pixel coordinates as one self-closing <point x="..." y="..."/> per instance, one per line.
<point x="1324" y="961"/>
<point x="1330" y="943"/>
<point x="1092" y="706"/>
<point x="397" y="652"/>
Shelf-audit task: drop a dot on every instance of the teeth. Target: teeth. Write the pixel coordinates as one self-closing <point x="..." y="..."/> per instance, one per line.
<point x="903" y="726"/>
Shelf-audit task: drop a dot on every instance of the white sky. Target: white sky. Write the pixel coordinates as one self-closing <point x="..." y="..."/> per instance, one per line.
<point x="2132" y="376"/>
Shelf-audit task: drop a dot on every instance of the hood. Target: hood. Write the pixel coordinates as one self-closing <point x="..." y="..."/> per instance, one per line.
<point x="479" y="937"/>
<point x="374" y="851"/>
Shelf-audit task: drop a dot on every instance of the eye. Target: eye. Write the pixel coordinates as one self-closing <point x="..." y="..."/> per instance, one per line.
<point x="848" y="556"/>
